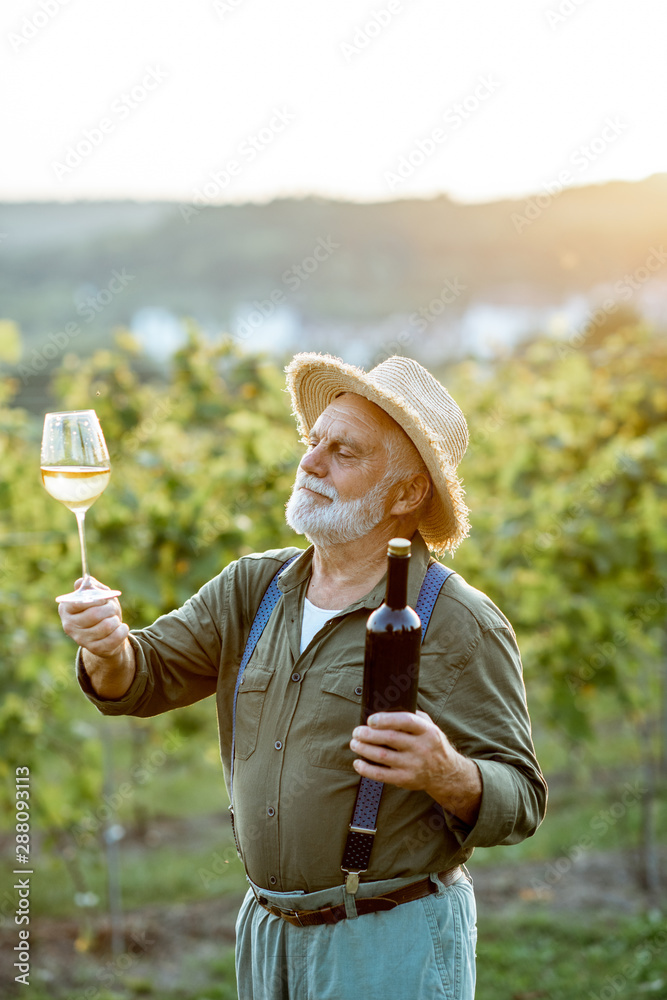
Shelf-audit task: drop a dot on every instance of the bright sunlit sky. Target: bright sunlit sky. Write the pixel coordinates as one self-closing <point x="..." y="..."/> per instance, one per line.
<point x="543" y="87"/>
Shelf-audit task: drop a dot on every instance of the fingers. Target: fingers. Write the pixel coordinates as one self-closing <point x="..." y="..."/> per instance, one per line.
<point x="397" y="729"/>
<point x="364" y="736"/>
<point x="97" y="627"/>
<point x="388" y="756"/>
<point x="407" y="722"/>
<point x="400" y="751"/>
<point x="89" y="615"/>
<point x="375" y="772"/>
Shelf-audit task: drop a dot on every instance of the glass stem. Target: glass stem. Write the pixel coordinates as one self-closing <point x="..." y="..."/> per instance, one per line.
<point x="80" y="518"/>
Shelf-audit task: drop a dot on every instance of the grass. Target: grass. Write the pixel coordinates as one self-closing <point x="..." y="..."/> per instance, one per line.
<point x="557" y="958"/>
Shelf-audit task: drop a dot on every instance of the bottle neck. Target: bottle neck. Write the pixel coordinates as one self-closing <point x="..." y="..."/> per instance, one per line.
<point x="397" y="582"/>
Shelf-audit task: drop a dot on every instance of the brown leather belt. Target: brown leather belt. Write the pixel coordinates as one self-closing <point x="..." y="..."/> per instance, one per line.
<point x="372" y="904"/>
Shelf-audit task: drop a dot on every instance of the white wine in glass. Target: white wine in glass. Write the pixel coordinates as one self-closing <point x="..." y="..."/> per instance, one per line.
<point x="76" y="470"/>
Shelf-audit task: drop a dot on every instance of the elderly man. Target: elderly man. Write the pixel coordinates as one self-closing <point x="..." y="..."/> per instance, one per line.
<point x="381" y="457"/>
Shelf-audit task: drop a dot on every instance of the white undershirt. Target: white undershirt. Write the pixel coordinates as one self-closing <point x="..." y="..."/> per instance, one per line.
<point x="314" y="619"/>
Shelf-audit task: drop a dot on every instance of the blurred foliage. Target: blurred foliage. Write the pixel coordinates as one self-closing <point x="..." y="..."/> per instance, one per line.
<point x="567" y="481"/>
<point x="565" y="477"/>
<point x="201" y="466"/>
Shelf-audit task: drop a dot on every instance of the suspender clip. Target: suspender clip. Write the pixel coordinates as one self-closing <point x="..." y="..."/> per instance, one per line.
<point x="352" y="882"/>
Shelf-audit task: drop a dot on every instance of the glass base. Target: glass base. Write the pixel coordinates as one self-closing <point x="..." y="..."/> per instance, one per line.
<point x="87" y="595"/>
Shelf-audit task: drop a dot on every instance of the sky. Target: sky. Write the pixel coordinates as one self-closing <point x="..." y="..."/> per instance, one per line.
<point x="247" y="100"/>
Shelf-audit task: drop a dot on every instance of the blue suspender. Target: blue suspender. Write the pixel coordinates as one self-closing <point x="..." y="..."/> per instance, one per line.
<point x="436" y="575"/>
<point x="271" y="597"/>
<point x="359" y="841"/>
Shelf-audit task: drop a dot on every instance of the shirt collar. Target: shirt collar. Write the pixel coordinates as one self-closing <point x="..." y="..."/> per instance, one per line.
<point x="302" y="567"/>
<point x="298" y="572"/>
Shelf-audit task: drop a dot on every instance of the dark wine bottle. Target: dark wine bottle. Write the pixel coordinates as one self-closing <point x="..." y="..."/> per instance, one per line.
<point x="393" y="641"/>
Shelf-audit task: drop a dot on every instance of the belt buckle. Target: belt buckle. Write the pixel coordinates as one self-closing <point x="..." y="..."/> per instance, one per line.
<point x="279" y="911"/>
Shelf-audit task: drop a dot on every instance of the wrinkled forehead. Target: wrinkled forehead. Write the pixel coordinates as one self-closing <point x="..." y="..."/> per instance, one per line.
<point x="356" y="416"/>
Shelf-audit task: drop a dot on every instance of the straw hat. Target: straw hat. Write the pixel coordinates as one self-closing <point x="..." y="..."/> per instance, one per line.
<point x="416" y="401"/>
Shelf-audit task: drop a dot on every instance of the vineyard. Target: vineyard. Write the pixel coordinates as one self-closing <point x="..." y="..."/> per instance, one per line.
<point x="566" y="480"/>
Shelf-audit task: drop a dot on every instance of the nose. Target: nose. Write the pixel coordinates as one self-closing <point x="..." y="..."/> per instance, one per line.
<point x="313" y="462"/>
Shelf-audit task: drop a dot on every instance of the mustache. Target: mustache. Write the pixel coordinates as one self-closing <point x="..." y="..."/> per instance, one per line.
<point x="315" y="484"/>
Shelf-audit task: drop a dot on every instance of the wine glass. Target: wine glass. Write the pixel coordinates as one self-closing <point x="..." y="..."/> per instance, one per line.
<point x="76" y="470"/>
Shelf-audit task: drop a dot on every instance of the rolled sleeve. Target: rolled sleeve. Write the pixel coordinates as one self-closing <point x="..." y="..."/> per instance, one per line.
<point x="510" y="811"/>
<point x="132" y="697"/>
<point x="487" y="720"/>
<point x="177" y="659"/>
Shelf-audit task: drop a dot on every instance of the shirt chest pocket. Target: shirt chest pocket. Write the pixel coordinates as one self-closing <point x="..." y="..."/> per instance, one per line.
<point x="337" y="713"/>
<point x="249" y="707"/>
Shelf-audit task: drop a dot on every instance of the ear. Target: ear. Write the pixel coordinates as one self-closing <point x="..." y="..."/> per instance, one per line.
<point x="411" y="495"/>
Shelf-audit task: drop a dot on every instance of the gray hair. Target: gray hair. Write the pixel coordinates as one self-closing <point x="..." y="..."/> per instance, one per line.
<point x="404" y="461"/>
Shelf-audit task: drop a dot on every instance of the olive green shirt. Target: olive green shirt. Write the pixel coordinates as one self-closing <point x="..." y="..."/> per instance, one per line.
<point x="294" y="784"/>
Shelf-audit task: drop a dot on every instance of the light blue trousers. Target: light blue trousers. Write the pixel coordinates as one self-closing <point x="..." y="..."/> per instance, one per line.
<point x="423" y="949"/>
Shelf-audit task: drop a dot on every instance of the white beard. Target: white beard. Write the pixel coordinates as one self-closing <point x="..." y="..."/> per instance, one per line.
<point x="339" y="521"/>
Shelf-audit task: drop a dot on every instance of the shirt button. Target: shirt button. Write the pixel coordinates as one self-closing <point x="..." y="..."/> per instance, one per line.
<point x="270" y="811"/>
<point x="357" y="690"/>
<point x="278" y="745"/>
<point x="273" y="880"/>
<point x="296" y="678"/>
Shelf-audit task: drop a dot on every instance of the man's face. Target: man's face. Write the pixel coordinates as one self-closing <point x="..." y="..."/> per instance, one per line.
<point x="340" y="492"/>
